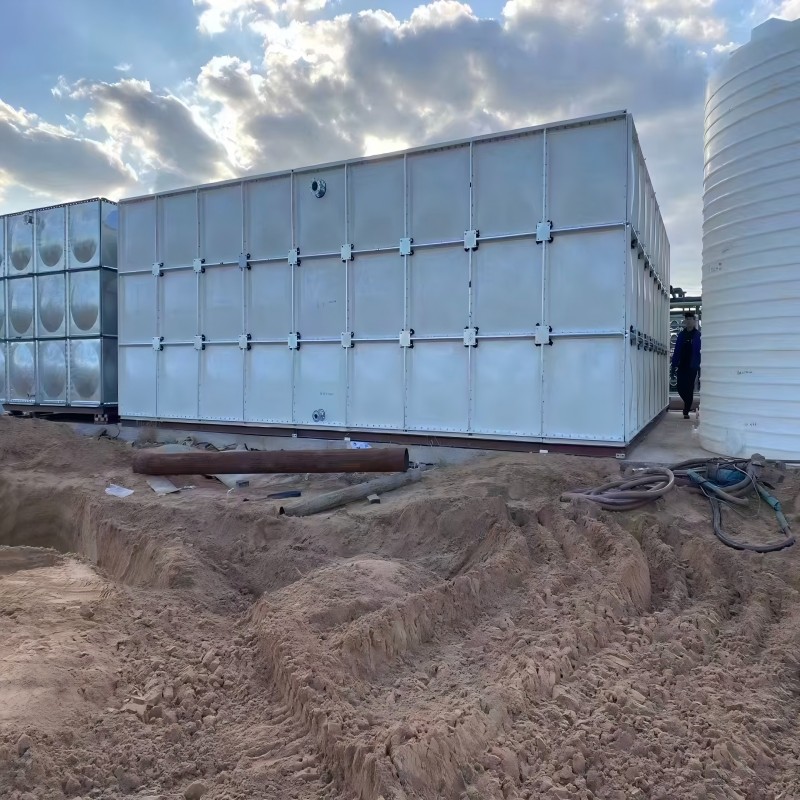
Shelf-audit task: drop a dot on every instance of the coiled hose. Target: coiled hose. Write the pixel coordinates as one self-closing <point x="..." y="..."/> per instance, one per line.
<point x="721" y="481"/>
<point x="628" y="494"/>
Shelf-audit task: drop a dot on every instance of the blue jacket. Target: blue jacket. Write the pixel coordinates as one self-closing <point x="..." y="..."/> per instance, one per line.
<point x="676" y="355"/>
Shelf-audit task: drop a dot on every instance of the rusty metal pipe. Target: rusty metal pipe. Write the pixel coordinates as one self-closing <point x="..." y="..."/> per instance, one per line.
<point x="234" y="462"/>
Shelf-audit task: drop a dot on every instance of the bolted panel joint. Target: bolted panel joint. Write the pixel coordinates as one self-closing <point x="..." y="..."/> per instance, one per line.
<point x="470" y="337"/>
<point x="347" y="252"/>
<point x="347" y="340"/>
<point x="294" y="257"/>
<point x="244" y="261"/>
<point x="294" y="341"/>
<point x="405" y="338"/>
<point x="471" y="240"/>
<point x="158" y="343"/>
<point x="200" y="342"/>
<point x="158" y="269"/>
<point x="244" y="341"/>
<point x="197" y="265"/>
<point x="405" y="247"/>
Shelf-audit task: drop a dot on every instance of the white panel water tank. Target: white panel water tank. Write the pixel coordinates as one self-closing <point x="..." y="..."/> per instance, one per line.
<point x="512" y="286"/>
<point x="751" y="249"/>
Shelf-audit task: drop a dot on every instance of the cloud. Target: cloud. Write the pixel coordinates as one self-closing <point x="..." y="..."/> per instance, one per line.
<point x="155" y="131"/>
<point x="124" y="67"/>
<point x="55" y="163"/>
<point x="217" y="16"/>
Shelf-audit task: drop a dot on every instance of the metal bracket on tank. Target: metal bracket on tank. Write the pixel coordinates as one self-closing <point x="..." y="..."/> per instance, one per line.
<point x="544" y="232"/>
<point x="294" y="257"/>
<point x="347" y="340"/>
<point x="471" y="240"/>
<point x="244" y="261"/>
<point x="158" y="343"/>
<point x="405" y="338"/>
<point x="470" y="337"/>
<point x="158" y="269"/>
<point x="197" y="265"/>
<point x="244" y="341"/>
<point x="347" y="252"/>
<point x="405" y="247"/>
<point x="294" y="341"/>
<point x="200" y="342"/>
<point x="542" y="336"/>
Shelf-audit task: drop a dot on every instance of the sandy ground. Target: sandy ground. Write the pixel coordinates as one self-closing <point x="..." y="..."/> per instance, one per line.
<point x="469" y="637"/>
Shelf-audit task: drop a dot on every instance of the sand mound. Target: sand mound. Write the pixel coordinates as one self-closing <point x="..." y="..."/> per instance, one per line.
<point x="471" y="637"/>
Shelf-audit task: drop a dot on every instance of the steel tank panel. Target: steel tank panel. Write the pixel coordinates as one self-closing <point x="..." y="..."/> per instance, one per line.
<point x="3" y="372"/>
<point x="93" y="302"/>
<point x="222" y="383"/>
<point x="3" y="258"/>
<point x="109" y="234"/>
<point x="19" y="244"/>
<point x="138" y="380"/>
<point x="376" y="203"/>
<point x="751" y="249"/>
<point x="83" y="235"/>
<point x="3" y="307"/>
<point x="92" y="371"/>
<point x="51" y="305"/>
<point x="50" y="226"/>
<point x="20" y="293"/>
<point x="52" y="372"/>
<point x="22" y="372"/>
<point x="268" y="384"/>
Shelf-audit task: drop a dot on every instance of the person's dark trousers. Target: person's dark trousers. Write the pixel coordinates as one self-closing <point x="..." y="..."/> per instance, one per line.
<point x="687" y="380"/>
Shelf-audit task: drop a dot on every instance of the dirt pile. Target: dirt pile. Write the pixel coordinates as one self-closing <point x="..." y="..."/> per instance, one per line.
<point x="470" y="637"/>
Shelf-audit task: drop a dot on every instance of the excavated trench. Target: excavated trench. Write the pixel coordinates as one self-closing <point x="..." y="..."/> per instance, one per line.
<point x="37" y="520"/>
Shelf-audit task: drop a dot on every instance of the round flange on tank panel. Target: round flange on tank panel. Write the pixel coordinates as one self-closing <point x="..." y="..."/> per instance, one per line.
<point x="20" y="244"/>
<point x="84" y="234"/>
<point x="52" y="371"/>
<point x="751" y="249"/>
<point x="20" y="308"/>
<point x="51" y="300"/>
<point x="50" y="235"/>
<point x="22" y="371"/>
<point x="84" y="302"/>
<point x="85" y="369"/>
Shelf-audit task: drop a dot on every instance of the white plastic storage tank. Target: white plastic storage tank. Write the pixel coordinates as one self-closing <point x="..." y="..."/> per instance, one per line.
<point x="751" y="249"/>
<point x="59" y="306"/>
<point x="510" y="287"/>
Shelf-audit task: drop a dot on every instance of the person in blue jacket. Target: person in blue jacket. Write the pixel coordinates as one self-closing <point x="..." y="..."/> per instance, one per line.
<point x="686" y="361"/>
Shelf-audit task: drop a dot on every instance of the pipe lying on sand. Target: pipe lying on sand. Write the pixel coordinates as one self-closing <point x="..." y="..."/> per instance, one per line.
<point x="233" y="462"/>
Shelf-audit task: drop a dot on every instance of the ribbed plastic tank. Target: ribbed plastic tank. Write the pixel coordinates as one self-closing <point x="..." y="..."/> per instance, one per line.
<point x="751" y="249"/>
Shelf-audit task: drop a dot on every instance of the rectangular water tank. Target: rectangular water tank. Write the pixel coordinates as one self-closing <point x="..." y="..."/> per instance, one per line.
<point x="58" y="304"/>
<point x="512" y="286"/>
